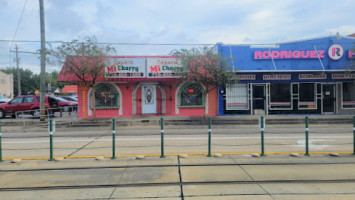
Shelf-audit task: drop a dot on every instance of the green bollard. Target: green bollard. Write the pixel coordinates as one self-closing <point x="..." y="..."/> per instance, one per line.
<point x="162" y="137"/>
<point x="0" y="144"/>
<point x="354" y="135"/>
<point x="262" y="135"/>
<point x="113" y="139"/>
<point x="307" y="139"/>
<point x="209" y="137"/>
<point x="51" y="140"/>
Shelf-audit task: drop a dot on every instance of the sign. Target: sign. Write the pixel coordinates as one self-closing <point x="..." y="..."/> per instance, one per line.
<point x="36" y="92"/>
<point x="312" y="76"/>
<point x="351" y="54"/>
<point x="343" y="76"/>
<point x="245" y="77"/>
<point x="277" y="77"/>
<point x="125" y="67"/>
<point x="164" y="67"/>
<point x="297" y="54"/>
<point x="335" y="52"/>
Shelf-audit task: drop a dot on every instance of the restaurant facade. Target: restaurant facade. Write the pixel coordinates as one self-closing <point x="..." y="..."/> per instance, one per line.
<point x="312" y="76"/>
<point x="142" y="86"/>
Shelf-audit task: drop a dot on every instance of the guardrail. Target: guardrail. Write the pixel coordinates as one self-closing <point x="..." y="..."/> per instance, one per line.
<point x="262" y="127"/>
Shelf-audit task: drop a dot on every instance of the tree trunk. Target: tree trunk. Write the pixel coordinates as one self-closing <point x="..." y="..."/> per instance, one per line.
<point x="94" y="102"/>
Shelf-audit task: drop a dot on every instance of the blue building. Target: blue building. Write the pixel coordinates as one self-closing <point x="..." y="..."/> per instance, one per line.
<point x="312" y="76"/>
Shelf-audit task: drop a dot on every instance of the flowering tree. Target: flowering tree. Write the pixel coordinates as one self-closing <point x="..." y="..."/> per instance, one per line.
<point x="85" y="59"/>
<point x="205" y="67"/>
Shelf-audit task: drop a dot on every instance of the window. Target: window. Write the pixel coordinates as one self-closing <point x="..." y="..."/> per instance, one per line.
<point x="191" y="95"/>
<point x="349" y="95"/>
<point x="237" y="97"/>
<point x="280" y="96"/>
<point x="17" y="100"/>
<point x="307" y="99"/>
<point x="106" y="97"/>
<point x="28" y="100"/>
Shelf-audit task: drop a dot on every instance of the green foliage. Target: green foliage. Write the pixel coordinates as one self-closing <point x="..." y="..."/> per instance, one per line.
<point x="204" y="66"/>
<point x="84" y="58"/>
<point x="29" y="80"/>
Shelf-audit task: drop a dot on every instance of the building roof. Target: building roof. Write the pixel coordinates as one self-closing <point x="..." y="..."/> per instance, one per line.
<point x="70" y="89"/>
<point x="352" y="35"/>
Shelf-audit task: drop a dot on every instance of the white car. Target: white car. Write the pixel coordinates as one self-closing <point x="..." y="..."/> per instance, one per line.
<point x="4" y="99"/>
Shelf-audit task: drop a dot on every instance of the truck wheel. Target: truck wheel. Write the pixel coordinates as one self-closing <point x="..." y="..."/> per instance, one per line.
<point x="2" y="114"/>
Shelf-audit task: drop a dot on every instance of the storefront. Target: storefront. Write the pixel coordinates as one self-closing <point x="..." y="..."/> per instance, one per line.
<point x="142" y="85"/>
<point x="304" y="77"/>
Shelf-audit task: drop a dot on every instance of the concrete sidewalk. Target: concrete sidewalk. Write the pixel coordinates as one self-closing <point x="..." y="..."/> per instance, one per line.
<point x="195" y="177"/>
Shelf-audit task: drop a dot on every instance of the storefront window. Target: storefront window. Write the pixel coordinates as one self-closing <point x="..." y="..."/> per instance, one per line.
<point x="106" y="97"/>
<point x="349" y="95"/>
<point x="280" y="96"/>
<point x="237" y="97"/>
<point x="191" y="96"/>
<point x="307" y="93"/>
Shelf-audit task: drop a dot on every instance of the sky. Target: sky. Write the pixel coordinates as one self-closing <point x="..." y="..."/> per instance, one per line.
<point x="179" y="23"/>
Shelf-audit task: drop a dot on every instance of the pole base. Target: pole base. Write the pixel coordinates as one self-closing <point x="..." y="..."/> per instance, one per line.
<point x="209" y="155"/>
<point x="51" y="159"/>
<point x="162" y="156"/>
<point x="307" y="154"/>
<point x="113" y="158"/>
<point x="262" y="155"/>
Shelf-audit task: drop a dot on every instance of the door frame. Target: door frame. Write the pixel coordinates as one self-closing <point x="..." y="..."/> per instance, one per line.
<point x="266" y="86"/>
<point x="154" y="85"/>
<point x="334" y="96"/>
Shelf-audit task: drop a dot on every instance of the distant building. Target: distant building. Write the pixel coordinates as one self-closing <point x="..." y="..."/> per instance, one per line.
<point x="71" y="90"/>
<point x="6" y="85"/>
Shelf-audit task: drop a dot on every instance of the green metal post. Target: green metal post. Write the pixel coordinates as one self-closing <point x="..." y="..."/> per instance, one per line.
<point x="162" y="137"/>
<point x="0" y="144"/>
<point x="354" y="135"/>
<point x="51" y="140"/>
<point x="307" y="139"/>
<point x="209" y="137"/>
<point x="262" y="135"/>
<point x="113" y="139"/>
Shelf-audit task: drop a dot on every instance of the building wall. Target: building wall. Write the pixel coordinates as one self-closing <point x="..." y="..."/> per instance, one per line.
<point x="131" y="105"/>
<point x="6" y="85"/>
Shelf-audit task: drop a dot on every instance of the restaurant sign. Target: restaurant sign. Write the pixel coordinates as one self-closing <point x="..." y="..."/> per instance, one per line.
<point x="125" y="67"/>
<point x="164" y="67"/>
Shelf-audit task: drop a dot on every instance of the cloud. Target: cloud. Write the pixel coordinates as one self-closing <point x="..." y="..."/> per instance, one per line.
<point x="173" y="21"/>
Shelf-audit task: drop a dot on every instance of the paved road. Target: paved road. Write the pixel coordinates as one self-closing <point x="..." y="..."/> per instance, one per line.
<point x="178" y="140"/>
<point x="196" y="177"/>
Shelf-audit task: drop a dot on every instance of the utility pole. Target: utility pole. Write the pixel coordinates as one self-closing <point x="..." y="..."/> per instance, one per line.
<point x="43" y="62"/>
<point x="18" y="73"/>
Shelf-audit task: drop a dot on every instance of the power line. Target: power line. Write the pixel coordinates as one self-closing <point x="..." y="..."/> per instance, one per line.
<point x="18" y="23"/>
<point x="168" y="44"/>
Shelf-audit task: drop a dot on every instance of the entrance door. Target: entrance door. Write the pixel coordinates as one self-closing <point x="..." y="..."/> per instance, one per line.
<point x="328" y="98"/>
<point x="149" y="99"/>
<point x="259" y="98"/>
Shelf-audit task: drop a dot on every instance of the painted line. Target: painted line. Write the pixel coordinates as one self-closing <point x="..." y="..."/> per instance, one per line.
<point x="177" y="154"/>
<point x="170" y="138"/>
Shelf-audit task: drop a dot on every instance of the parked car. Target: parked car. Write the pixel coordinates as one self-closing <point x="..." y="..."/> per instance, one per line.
<point x="70" y="98"/>
<point x="66" y="105"/>
<point x="4" y="99"/>
<point x="30" y="103"/>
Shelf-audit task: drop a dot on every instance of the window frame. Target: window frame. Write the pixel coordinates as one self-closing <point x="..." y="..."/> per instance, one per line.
<point x="290" y="106"/>
<point x="196" y="86"/>
<point x="117" y="94"/>
<point x="247" y="87"/>
<point x="342" y="96"/>
<point x="314" y="96"/>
